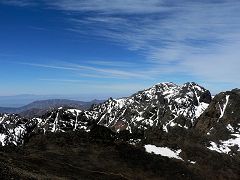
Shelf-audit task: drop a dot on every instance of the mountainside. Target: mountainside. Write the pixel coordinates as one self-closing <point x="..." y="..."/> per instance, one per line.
<point x="182" y="123"/>
<point x="164" y="105"/>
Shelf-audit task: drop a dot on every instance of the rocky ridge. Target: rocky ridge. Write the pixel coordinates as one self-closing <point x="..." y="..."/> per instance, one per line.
<point x="166" y="125"/>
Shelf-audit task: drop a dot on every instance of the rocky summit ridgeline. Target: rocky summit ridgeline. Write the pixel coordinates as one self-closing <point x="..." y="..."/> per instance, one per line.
<point x="164" y="105"/>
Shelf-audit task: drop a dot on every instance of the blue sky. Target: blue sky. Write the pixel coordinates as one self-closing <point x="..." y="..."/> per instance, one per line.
<point x="102" y="48"/>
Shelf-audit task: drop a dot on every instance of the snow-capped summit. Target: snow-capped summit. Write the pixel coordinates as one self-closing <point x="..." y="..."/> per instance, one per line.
<point x="164" y="105"/>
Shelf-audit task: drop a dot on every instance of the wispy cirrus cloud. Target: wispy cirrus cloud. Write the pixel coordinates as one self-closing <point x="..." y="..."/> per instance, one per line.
<point x="93" y="71"/>
<point x="62" y="80"/>
<point x="20" y="3"/>
<point x="178" y="36"/>
<point x="199" y="38"/>
<point x="110" y="7"/>
<point x="110" y="63"/>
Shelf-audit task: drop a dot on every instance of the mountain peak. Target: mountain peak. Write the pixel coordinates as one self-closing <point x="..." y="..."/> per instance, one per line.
<point x="165" y="84"/>
<point x="164" y="104"/>
<point x="192" y="85"/>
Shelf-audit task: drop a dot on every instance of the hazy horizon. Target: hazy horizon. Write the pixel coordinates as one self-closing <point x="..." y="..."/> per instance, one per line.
<point x="24" y="99"/>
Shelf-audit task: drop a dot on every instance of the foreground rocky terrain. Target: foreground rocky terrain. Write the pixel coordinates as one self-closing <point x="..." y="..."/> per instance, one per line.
<point x="164" y="132"/>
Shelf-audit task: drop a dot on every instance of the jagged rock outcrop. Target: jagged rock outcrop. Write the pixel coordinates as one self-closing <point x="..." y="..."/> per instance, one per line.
<point x="224" y="109"/>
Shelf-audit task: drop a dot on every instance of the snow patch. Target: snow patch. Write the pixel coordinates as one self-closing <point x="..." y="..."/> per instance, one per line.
<point x="224" y="146"/>
<point x="163" y="151"/>
<point x="200" y="109"/>
<point x="120" y="102"/>
<point x="219" y="148"/>
<point x="192" y="162"/>
<point x="2" y="139"/>
<point x="230" y="128"/>
<point x="134" y="141"/>
<point x="74" y="111"/>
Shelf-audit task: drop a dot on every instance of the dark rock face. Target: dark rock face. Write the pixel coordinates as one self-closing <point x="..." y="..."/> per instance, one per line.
<point x="206" y="97"/>
<point x="220" y="123"/>
<point x="224" y="109"/>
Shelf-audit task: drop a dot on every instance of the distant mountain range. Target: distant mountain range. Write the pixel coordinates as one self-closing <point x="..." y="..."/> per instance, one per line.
<point x="167" y="131"/>
<point x="37" y="108"/>
<point x="25" y="99"/>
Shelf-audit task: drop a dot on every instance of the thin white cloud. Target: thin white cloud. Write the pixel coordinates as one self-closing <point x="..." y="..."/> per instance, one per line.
<point x="198" y="38"/>
<point x="38" y="28"/>
<point x="20" y="3"/>
<point x="112" y="63"/>
<point x="223" y="67"/>
<point x="110" y="7"/>
<point x="94" y="71"/>
<point x="62" y="80"/>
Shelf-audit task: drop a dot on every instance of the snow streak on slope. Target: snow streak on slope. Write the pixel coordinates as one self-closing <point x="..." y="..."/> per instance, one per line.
<point x="224" y="107"/>
<point x="62" y="120"/>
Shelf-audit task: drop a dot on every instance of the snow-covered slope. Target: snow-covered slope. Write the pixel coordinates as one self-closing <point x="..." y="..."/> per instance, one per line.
<point x="12" y="129"/>
<point x="61" y="120"/>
